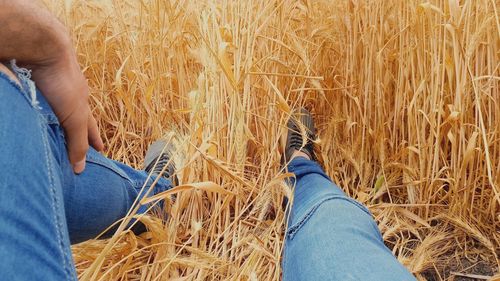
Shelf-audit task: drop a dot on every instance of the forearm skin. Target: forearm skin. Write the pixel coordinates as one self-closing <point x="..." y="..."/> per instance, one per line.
<point x="30" y="34"/>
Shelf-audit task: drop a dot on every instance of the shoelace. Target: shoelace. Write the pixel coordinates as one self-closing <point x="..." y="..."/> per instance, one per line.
<point x="296" y="141"/>
<point x="163" y="160"/>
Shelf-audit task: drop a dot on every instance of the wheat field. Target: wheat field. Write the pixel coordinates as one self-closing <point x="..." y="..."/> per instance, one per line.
<point x="406" y="98"/>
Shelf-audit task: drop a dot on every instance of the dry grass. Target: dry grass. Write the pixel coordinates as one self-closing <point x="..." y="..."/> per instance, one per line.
<point x="406" y="97"/>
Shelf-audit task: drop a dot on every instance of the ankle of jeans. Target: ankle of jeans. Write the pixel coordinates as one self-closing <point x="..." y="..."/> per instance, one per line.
<point x="301" y="166"/>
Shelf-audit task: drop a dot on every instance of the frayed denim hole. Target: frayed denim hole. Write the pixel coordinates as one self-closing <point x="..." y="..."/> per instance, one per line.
<point x="24" y="76"/>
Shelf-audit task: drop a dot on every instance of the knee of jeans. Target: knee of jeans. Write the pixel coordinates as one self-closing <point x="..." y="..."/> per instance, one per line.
<point x="96" y="158"/>
<point x="354" y="208"/>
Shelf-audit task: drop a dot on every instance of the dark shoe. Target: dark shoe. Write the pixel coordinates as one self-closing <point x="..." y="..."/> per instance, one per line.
<point x="157" y="157"/>
<point x="301" y="134"/>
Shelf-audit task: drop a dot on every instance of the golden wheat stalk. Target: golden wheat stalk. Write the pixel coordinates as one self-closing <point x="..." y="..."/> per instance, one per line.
<point x="406" y="97"/>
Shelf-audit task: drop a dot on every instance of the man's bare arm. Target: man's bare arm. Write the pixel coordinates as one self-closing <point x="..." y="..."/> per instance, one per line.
<point x="38" y="41"/>
<point x="30" y="34"/>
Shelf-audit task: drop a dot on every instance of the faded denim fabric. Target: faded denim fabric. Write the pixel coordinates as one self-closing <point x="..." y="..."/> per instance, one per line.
<point x="331" y="236"/>
<point x="44" y="206"/>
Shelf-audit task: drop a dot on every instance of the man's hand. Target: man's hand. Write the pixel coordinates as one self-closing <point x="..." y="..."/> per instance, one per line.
<point x="38" y="41"/>
<point x="62" y="83"/>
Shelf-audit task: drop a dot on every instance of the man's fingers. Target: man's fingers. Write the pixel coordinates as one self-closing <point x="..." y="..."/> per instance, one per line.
<point x="94" y="138"/>
<point x="76" y="130"/>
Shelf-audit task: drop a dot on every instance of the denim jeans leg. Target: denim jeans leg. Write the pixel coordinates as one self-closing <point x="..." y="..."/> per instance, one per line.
<point x="103" y="194"/>
<point x="43" y="204"/>
<point x="331" y="236"/>
<point x="34" y="242"/>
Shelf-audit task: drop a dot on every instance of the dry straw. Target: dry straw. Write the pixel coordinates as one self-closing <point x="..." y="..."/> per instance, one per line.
<point x="406" y="97"/>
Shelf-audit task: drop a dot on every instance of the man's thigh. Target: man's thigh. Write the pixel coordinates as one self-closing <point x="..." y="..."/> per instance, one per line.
<point x="34" y="243"/>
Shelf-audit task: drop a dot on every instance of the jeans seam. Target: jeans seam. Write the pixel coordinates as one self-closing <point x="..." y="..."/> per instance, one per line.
<point x="296" y="227"/>
<point x="54" y="201"/>
<point x="113" y="169"/>
<point x="283" y="266"/>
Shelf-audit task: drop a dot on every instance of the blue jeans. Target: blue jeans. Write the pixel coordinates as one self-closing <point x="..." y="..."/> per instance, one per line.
<point x="331" y="236"/>
<point x="44" y="206"/>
